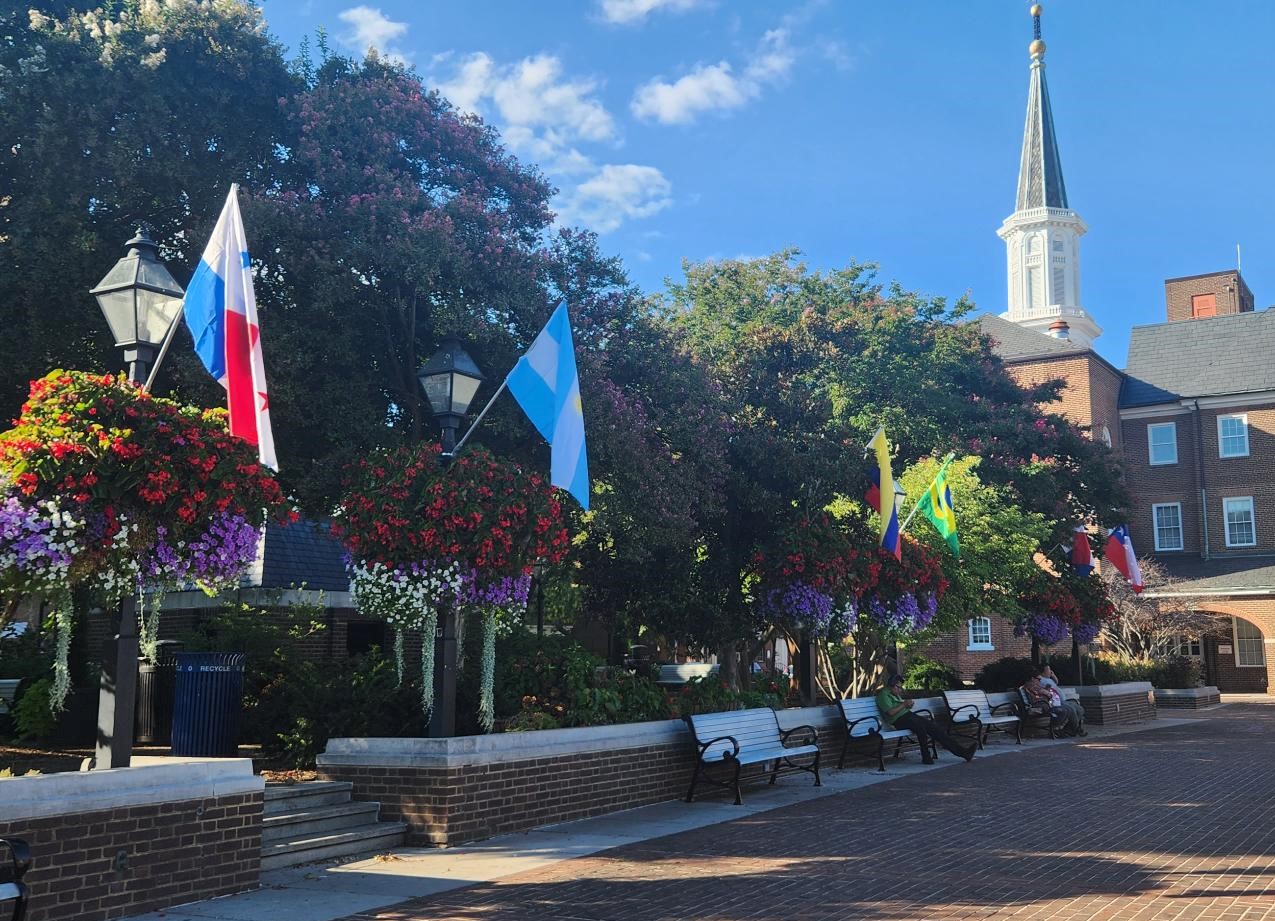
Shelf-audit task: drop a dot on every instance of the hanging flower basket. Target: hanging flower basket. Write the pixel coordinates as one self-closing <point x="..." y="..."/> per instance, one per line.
<point x="421" y="537"/>
<point x="107" y="487"/>
<point x="1063" y="606"/>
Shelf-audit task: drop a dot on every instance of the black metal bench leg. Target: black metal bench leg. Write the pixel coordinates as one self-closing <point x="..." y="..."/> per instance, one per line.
<point x="690" y="794"/>
<point x="775" y="773"/>
<point x="739" y="799"/>
<point x="818" y="782"/>
<point x="881" y="756"/>
<point x="1018" y="733"/>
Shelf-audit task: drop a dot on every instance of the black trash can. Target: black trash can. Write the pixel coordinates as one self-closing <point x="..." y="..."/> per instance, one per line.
<point x="208" y="703"/>
<point x="155" y="686"/>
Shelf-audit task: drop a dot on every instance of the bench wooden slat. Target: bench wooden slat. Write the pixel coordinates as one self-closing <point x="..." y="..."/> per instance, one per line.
<point x="983" y="716"/>
<point x="738" y="737"/>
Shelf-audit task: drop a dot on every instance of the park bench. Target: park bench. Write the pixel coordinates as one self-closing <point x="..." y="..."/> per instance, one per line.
<point x="972" y="709"/>
<point x="1034" y="715"/>
<point x="682" y="672"/>
<point x="866" y="726"/>
<point x="15" y="859"/>
<point x="8" y="691"/>
<point x="728" y="741"/>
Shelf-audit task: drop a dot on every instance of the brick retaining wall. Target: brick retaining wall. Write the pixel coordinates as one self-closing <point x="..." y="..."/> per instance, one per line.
<point x="1187" y="698"/>
<point x="110" y="844"/>
<point x="1116" y="704"/>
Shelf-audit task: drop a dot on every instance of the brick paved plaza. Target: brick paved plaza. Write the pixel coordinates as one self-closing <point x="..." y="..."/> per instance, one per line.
<point x="1174" y="823"/>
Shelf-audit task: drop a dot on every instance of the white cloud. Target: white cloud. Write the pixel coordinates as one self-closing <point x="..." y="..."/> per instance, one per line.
<point x="547" y="116"/>
<point x="627" y="11"/>
<point x="715" y="87"/>
<point x="534" y="97"/>
<point x="370" y="28"/>
<point x="617" y="193"/>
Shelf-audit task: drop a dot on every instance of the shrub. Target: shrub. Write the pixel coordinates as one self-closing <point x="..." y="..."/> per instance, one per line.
<point x="1005" y="674"/>
<point x="924" y="674"/>
<point x="712" y="695"/>
<point x="1177" y="672"/>
<point x="32" y="715"/>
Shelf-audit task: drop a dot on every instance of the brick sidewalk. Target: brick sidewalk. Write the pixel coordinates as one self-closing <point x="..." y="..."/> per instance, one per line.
<point x="1175" y="823"/>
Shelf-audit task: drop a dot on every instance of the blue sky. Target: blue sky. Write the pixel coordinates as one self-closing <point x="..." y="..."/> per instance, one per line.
<point x="876" y="130"/>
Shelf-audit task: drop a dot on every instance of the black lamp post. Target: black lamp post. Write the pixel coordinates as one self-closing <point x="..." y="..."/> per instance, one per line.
<point x="140" y="301"/>
<point x="450" y="379"/>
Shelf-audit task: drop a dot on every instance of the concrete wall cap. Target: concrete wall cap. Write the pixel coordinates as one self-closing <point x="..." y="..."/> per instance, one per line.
<point x="153" y="780"/>
<point x="1122" y="689"/>
<point x="1188" y="693"/>
<point x="525" y="746"/>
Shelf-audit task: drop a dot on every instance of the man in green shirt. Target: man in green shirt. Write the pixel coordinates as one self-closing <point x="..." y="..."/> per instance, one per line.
<point x="897" y="714"/>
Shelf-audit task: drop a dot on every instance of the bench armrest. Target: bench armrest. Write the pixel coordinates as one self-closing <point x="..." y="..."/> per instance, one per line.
<point x="705" y="746"/>
<point x="876" y="728"/>
<point x="973" y="708"/>
<point x="19" y="857"/>
<point x="785" y="733"/>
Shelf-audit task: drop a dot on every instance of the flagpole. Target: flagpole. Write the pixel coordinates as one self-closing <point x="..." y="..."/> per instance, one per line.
<point x="469" y="431"/>
<point x="163" y="349"/>
<point x="917" y="507"/>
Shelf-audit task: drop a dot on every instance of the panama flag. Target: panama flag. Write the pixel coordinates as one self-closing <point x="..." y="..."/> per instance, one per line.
<point x="885" y="503"/>
<point x="221" y="312"/>
<point x="547" y="387"/>
<point x="1081" y="557"/>
<point x="1119" y="551"/>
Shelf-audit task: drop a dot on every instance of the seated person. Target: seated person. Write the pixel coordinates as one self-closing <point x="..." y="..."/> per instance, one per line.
<point x="1061" y="718"/>
<point x="897" y="715"/>
<point x="1049" y="681"/>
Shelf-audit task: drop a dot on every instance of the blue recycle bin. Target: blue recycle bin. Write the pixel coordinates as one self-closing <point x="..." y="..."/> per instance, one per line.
<point x="208" y="702"/>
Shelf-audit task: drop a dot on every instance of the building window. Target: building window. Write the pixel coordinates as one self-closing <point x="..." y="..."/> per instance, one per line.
<point x="1168" y="526"/>
<point x="1248" y="644"/>
<point x="1204" y="305"/>
<point x="980" y="634"/>
<point x="1240" y="529"/>
<point x="1162" y="443"/>
<point x="1183" y="645"/>
<point x="1232" y="435"/>
<point x="361" y="636"/>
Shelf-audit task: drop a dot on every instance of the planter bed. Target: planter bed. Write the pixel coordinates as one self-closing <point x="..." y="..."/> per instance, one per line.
<point x="1187" y="698"/>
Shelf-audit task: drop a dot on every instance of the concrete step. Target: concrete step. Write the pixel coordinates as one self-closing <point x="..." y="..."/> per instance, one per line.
<point x="369" y="839"/>
<point x="289" y="797"/>
<point x="311" y="823"/>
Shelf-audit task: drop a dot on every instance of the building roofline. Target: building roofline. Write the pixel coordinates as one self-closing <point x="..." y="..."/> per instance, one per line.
<point x="1204" y="275"/>
<point x="1080" y="352"/>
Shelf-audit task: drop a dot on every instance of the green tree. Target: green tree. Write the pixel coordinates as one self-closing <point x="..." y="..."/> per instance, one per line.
<point x="142" y="111"/>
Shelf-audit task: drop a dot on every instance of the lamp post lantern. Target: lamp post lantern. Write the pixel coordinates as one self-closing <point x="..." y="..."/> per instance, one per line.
<point x="141" y="301"/>
<point x="450" y="379"/>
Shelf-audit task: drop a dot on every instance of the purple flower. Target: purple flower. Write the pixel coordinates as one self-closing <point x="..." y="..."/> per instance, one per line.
<point x="1043" y="627"/>
<point x="501" y="591"/>
<point x="807" y="606"/>
<point x="1085" y="633"/>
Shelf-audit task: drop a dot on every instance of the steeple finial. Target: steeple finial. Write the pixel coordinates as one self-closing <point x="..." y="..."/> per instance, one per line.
<point x="1037" y="47"/>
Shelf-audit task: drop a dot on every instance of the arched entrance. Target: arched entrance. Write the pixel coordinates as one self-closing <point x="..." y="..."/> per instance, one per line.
<point x="1236" y="661"/>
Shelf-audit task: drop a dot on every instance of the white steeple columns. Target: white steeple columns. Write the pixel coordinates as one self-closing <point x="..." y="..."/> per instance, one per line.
<point x="1042" y="236"/>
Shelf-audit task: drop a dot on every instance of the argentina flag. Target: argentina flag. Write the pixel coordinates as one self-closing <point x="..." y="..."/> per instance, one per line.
<point x="547" y="387"/>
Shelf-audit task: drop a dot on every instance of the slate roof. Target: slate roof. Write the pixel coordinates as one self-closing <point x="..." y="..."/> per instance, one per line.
<point x="1219" y="575"/>
<point x="1018" y="343"/>
<point x="305" y="552"/>
<point x="1200" y="358"/>
<point x="1040" y="177"/>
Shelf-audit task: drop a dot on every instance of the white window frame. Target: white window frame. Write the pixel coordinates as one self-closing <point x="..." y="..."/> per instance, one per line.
<point x="1226" y="524"/>
<point x="1260" y="641"/>
<point x="974" y="645"/>
<point x="1155" y="525"/>
<point x="1221" y="452"/>
<point x="1173" y="442"/>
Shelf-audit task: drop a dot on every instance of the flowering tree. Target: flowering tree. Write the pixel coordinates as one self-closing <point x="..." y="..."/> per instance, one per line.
<point x="421" y="536"/>
<point x="109" y="488"/>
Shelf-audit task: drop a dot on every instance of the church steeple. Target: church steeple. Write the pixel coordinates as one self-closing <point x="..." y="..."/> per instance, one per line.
<point x="1042" y="236"/>
<point x="1040" y="178"/>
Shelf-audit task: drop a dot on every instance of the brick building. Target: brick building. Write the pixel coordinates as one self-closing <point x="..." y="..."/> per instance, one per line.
<point x="1192" y="416"/>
